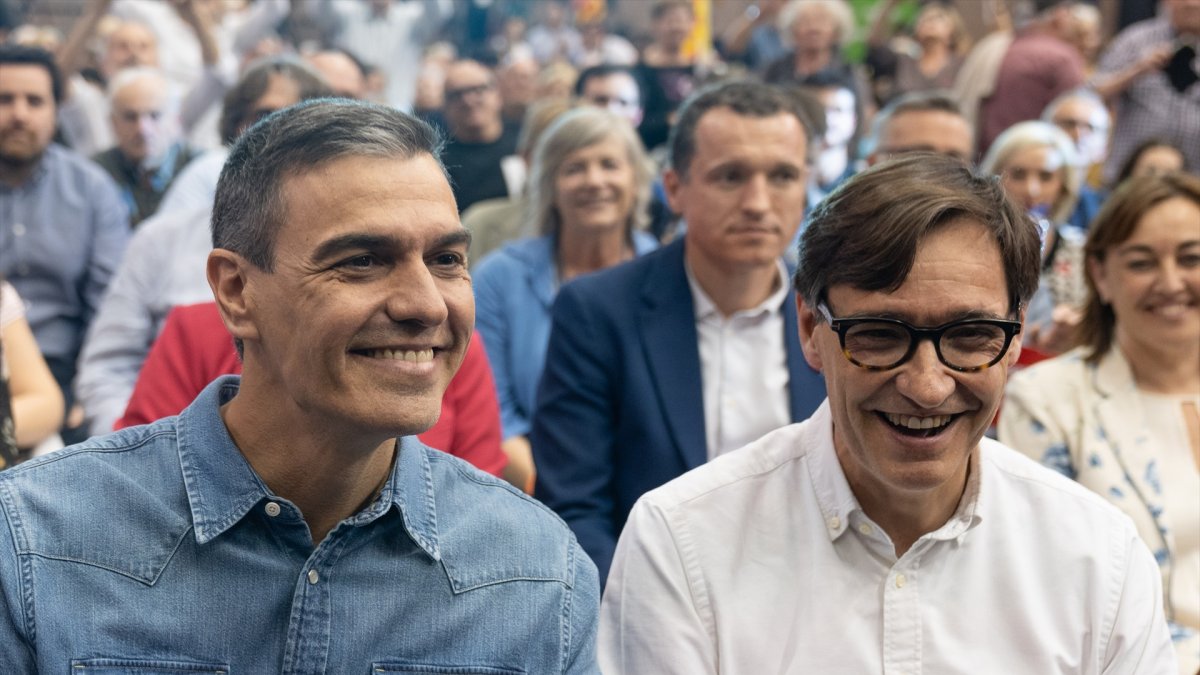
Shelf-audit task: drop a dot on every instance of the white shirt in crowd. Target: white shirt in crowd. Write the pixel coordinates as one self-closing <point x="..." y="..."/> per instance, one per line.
<point x="763" y="562"/>
<point x="743" y="366"/>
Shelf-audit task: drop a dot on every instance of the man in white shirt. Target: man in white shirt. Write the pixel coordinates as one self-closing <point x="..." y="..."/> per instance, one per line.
<point x="656" y="366"/>
<point x="885" y="534"/>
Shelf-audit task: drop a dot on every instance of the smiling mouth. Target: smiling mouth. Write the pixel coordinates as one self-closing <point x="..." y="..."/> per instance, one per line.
<point x="409" y="355"/>
<point x="919" y="427"/>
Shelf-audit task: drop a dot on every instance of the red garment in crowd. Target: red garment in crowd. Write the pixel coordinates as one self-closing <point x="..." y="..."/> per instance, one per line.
<point x="194" y="349"/>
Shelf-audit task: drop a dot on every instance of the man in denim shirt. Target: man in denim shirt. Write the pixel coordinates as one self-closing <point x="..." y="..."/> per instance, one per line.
<point x="277" y="525"/>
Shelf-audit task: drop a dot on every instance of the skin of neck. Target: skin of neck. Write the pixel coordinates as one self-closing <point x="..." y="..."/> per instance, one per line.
<point x="583" y="250"/>
<point x="327" y="471"/>
<point x="904" y="516"/>
<point x="733" y="290"/>
<point x="1159" y="366"/>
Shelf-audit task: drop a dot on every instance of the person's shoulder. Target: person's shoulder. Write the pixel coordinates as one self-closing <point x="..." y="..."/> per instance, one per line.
<point x="621" y="281"/>
<point x="515" y="256"/>
<point x="65" y="503"/>
<point x="728" y="479"/>
<point x="79" y="169"/>
<point x="1059" y="502"/>
<point x="487" y="529"/>
<point x="1048" y="379"/>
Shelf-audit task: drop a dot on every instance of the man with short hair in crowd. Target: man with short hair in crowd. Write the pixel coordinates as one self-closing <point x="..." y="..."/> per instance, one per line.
<point x="657" y="366"/>
<point x="287" y="521"/>
<point x="885" y="534"/>
<point x="63" y="225"/>
<point x="149" y="152"/>
<point x="614" y="88"/>
<point x="921" y="122"/>
<point x="478" y="140"/>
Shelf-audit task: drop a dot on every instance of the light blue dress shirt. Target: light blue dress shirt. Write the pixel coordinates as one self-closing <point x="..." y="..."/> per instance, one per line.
<point x="62" y="235"/>
<point x="515" y="287"/>
<point x="158" y="549"/>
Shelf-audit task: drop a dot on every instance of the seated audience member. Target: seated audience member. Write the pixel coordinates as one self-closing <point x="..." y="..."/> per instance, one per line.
<point x="345" y="74"/>
<point x="588" y="194"/>
<point x="1038" y="66"/>
<point x="941" y="42"/>
<point x="1149" y="73"/>
<point x="194" y="349"/>
<point x="658" y="365"/>
<point x="149" y="152"/>
<point x="165" y="262"/>
<point x="1036" y="164"/>
<point x="1082" y="115"/>
<point x="754" y="37"/>
<point x="1155" y="157"/>
<point x="886" y="533"/>
<point x="31" y="405"/>
<point x="614" y="88"/>
<point x="553" y="38"/>
<point x="1121" y="414"/>
<point x="62" y="221"/>
<point x="818" y="29"/>
<point x="921" y="122"/>
<point x="495" y="222"/>
<point x="668" y="74"/>
<point x="516" y="80"/>
<point x="597" y="46"/>
<point x="478" y="142"/>
<point x="836" y="152"/>
<point x="287" y="520"/>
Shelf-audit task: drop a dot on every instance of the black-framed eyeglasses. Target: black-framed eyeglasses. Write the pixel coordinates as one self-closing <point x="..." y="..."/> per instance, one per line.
<point x="966" y="345"/>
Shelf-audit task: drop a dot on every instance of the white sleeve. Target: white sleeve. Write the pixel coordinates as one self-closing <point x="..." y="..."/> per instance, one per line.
<point x="652" y="618"/>
<point x="1140" y="641"/>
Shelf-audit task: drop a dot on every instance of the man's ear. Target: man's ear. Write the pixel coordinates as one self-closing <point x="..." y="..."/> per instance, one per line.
<point x="807" y="322"/>
<point x="227" y="277"/>
<point x="671" y="184"/>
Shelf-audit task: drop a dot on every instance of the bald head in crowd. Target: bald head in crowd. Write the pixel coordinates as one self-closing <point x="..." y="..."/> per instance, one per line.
<point x="345" y="75"/>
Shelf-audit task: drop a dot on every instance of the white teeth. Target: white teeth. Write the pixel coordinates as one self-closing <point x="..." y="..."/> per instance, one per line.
<point x="914" y="422"/>
<point x="413" y="356"/>
<point x="1173" y="310"/>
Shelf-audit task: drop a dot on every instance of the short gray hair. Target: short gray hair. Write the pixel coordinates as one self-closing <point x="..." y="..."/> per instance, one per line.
<point x="1034" y="134"/>
<point x="1077" y="94"/>
<point x="842" y="15"/>
<point x="575" y="130"/>
<point x="249" y="206"/>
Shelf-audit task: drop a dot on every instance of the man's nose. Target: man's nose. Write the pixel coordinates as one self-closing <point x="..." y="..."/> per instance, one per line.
<point x="416" y="297"/>
<point x="924" y="379"/>
<point x="756" y="196"/>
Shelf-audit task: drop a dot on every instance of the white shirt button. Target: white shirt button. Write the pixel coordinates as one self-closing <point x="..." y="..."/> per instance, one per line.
<point x="313" y="577"/>
<point x="272" y="509"/>
<point x="901" y="580"/>
<point x="834" y="523"/>
<point x="864" y="528"/>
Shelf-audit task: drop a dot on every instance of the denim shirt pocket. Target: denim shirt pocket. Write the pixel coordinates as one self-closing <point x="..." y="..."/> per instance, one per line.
<point x="444" y="669"/>
<point x="117" y="666"/>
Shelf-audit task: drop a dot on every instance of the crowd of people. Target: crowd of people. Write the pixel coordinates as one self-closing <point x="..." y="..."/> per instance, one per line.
<point x="647" y="314"/>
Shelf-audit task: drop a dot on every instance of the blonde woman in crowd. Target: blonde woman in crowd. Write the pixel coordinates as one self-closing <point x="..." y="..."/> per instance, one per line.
<point x="588" y="194"/>
<point x="1121" y="414"/>
<point x="32" y="405"/>
<point x="1036" y="164"/>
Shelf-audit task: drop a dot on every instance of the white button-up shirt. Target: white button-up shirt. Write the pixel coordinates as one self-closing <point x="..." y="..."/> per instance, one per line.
<point x="743" y="365"/>
<point x="762" y="561"/>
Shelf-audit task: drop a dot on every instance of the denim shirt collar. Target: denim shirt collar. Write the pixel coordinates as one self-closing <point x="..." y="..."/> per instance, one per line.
<point x="222" y="487"/>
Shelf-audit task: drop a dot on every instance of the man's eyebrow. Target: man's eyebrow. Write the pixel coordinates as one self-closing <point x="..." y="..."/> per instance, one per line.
<point x="354" y="241"/>
<point x="459" y="237"/>
<point x="964" y="315"/>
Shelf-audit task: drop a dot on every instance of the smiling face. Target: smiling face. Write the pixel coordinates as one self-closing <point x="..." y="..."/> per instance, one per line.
<point x="1033" y="176"/>
<point x="594" y="187"/>
<point x="368" y="310"/>
<point x="1152" y="279"/>
<point x="743" y="193"/>
<point x="878" y="415"/>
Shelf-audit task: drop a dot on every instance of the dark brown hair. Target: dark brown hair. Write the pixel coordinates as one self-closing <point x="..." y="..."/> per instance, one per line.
<point x="1114" y="225"/>
<point x="867" y="232"/>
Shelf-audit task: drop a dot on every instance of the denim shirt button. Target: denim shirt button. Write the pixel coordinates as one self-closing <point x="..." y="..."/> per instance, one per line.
<point x="313" y="577"/>
<point x="272" y="509"/>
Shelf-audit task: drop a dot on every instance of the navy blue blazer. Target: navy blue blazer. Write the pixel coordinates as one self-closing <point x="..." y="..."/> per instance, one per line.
<point x="620" y="407"/>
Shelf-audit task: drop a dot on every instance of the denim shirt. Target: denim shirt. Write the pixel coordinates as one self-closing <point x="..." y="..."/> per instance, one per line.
<point x="158" y="549"/>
